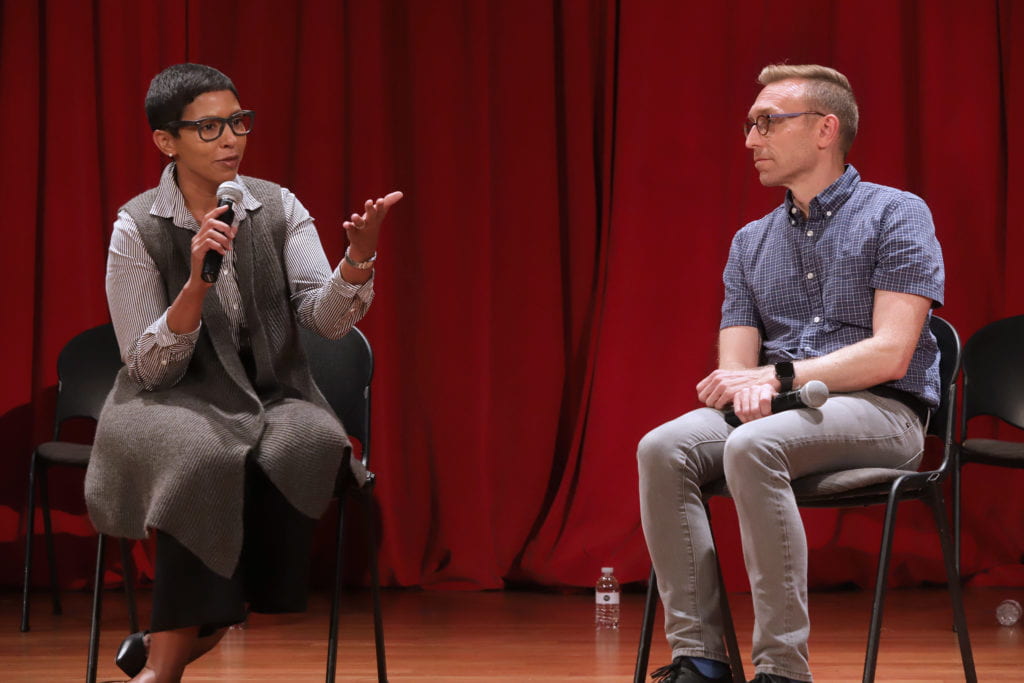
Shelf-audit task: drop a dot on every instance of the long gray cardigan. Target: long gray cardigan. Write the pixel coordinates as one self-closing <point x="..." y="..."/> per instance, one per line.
<point x="174" y="459"/>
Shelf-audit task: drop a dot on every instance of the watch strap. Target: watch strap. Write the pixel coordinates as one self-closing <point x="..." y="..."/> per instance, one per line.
<point x="785" y="373"/>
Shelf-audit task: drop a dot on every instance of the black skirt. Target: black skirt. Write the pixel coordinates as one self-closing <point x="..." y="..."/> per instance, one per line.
<point x="272" y="575"/>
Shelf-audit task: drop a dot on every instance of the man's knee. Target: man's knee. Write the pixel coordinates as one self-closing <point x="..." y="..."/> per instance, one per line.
<point x="655" y="450"/>
<point x="681" y="444"/>
<point x="748" y="453"/>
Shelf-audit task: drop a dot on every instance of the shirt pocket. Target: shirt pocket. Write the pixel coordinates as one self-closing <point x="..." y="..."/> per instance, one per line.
<point x="848" y="297"/>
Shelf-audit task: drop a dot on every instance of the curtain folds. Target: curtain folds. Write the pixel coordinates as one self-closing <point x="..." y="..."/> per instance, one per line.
<point x="549" y="289"/>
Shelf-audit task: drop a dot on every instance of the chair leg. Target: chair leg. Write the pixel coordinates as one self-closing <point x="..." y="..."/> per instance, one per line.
<point x="643" y="650"/>
<point x="128" y="567"/>
<point x="51" y="556"/>
<point x="30" y="527"/>
<point x="956" y="516"/>
<point x="97" y="605"/>
<point x="735" y="661"/>
<point x="647" y="628"/>
<point x="953" y="577"/>
<point x="332" y="643"/>
<point x="881" y="583"/>
<point x="378" y="616"/>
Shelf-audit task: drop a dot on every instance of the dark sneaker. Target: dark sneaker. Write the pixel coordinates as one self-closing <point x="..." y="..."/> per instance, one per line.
<point x="682" y="670"/>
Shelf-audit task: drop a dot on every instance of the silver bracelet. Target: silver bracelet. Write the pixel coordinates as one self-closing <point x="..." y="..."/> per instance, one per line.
<point x="360" y="265"/>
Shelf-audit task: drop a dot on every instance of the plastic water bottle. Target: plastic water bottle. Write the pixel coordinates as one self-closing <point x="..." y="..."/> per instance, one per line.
<point x="606" y="601"/>
<point x="1008" y="613"/>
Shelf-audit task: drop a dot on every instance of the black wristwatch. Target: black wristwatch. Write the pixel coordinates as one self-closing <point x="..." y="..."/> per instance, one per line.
<point x="785" y="373"/>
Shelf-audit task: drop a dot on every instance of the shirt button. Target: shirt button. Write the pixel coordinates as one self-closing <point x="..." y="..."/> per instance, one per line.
<point x="793" y="210"/>
<point x="810" y="276"/>
<point x="163" y="362"/>
<point x="224" y="271"/>
<point x="817" y="319"/>
<point x="810" y="233"/>
<point x="828" y="213"/>
<point x="234" y="306"/>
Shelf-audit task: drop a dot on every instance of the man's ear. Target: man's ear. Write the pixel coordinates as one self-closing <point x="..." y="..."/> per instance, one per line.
<point x="828" y="131"/>
<point x="165" y="142"/>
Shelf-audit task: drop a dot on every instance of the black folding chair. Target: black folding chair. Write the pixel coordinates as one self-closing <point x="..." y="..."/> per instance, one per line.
<point x="86" y="368"/>
<point x="343" y="369"/>
<point x="993" y="386"/>
<point x="873" y="486"/>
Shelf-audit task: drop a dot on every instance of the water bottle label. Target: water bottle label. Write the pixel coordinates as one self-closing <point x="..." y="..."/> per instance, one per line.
<point x="602" y="598"/>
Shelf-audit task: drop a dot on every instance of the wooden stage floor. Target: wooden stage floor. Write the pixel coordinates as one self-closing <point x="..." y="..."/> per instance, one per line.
<point x="508" y="636"/>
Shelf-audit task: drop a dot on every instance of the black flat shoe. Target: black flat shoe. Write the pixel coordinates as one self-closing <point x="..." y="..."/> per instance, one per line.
<point x="132" y="655"/>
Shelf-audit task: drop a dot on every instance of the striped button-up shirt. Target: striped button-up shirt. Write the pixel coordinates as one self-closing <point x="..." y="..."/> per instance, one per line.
<point x="156" y="356"/>
<point x="808" y="283"/>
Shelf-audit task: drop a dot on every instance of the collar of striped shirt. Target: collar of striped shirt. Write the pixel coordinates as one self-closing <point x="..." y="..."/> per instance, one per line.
<point x="170" y="202"/>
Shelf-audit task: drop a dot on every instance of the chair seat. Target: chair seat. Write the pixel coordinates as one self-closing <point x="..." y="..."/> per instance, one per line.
<point x="715" y="488"/>
<point x="993" y="452"/>
<point x="844" y="481"/>
<point x="863" y="484"/>
<point x="866" y="481"/>
<point x="65" y="453"/>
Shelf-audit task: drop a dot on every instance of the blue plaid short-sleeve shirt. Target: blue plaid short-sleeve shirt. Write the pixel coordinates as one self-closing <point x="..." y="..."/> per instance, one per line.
<point x="808" y="283"/>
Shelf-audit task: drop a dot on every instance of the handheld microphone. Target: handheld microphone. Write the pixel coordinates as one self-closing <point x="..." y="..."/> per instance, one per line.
<point x="228" y="194"/>
<point x="811" y="395"/>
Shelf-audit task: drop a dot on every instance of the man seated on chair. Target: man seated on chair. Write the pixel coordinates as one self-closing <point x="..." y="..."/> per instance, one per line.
<point x="836" y="285"/>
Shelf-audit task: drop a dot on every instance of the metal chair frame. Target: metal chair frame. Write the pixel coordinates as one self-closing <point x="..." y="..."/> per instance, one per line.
<point x="86" y="368"/>
<point x="993" y="373"/>
<point x="342" y="370"/>
<point x="925" y="486"/>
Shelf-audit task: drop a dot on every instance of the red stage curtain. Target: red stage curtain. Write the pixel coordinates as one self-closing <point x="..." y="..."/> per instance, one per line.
<point x="549" y="289"/>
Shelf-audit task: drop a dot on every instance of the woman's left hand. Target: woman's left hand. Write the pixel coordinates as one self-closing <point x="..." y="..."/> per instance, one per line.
<point x="364" y="231"/>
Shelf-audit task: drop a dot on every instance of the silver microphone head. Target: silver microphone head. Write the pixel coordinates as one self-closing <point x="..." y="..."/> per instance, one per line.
<point x="814" y="394"/>
<point x="229" y="190"/>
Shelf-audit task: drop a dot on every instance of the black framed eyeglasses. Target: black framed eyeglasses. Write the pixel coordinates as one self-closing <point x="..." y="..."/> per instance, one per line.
<point x="212" y="127"/>
<point x="763" y="123"/>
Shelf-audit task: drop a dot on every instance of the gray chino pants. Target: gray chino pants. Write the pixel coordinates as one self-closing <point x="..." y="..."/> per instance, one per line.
<point x="758" y="460"/>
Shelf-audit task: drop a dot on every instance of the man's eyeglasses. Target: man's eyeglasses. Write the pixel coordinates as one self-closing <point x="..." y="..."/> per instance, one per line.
<point x="212" y="127"/>
<point x="763" y="123"/>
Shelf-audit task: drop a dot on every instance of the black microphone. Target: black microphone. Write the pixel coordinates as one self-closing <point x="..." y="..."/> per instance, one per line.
<point x="811" y="395"/>
<point x="228" y="194"/>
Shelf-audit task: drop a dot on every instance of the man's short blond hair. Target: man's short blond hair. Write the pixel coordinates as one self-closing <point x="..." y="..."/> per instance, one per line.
<point x="827" y="91"/>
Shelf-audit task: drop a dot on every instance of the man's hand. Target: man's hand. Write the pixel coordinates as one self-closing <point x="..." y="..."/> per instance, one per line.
<point x="364" y="231"/>
<point x="719" y="389"/>
<point x="750" y="403"/>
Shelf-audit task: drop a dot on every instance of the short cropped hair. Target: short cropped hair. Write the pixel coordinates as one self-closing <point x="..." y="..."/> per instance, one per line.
<point x="826" y="90"/>
<point x="175" y="87"/>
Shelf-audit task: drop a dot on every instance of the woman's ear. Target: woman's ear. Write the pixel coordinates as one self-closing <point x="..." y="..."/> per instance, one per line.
<point x="165" y="142"/>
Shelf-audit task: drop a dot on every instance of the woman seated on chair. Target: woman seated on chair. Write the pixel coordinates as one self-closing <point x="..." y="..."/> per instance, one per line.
<point x="215" y="437"/>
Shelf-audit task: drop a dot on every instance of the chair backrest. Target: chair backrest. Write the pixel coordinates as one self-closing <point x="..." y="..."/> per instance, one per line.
<point x="342" y="369"/>
<point x="86" y="369"/>
<point x="994" y="372"/>
<point x="948" y="342"/>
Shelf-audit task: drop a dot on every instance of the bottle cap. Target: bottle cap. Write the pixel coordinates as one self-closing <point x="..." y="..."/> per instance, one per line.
<point x="607" y="570"/>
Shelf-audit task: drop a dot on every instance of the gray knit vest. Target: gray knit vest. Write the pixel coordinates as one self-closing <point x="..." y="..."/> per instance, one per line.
<point x="174" y="459"/>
